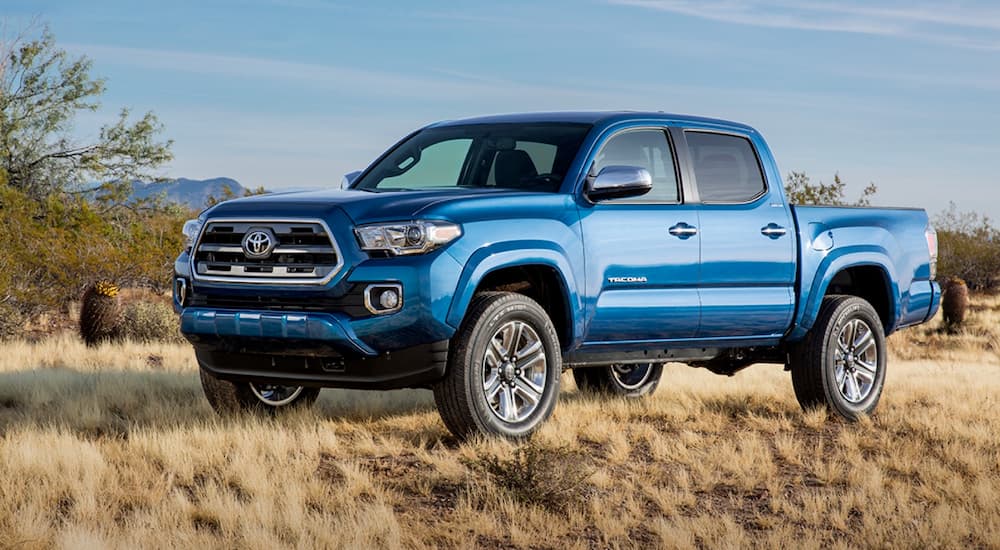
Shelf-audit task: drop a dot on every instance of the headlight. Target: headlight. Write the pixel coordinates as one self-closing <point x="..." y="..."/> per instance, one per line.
<point x="191" y="230"/>
<point x="416" y="237"/>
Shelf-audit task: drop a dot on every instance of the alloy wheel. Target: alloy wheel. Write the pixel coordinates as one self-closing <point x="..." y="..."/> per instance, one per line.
<point x="514" y="371"/>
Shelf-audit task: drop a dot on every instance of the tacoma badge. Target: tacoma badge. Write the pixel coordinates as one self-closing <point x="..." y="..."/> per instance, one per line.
<point x="626" y="279"/>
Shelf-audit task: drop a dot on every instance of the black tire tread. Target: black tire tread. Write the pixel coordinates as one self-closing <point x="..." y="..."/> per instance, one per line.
<point x="456" y="412"/>
<point x="808" y="382"/>
<point x="452" y="395"/>
<point x="808" y="379"/>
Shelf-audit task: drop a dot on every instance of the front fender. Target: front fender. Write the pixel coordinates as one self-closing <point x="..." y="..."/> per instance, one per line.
<point x="514" y="254"/>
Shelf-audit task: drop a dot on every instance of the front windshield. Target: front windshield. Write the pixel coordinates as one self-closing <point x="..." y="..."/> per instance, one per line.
<point x="527" y="157"/>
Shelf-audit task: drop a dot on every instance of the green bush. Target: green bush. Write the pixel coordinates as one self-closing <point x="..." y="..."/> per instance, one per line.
<point x="56" y="246"/>
<point x="968" y="248"/>
<point x="799" y="189"/>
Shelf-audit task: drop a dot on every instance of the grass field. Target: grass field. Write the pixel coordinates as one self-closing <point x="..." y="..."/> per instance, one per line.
<point x="116" y="447"/>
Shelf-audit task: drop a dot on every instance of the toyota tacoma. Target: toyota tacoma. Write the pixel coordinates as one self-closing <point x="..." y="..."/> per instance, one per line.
<point x="483" y="257"/>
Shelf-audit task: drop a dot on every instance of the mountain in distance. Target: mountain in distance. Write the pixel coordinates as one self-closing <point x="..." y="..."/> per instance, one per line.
<point x="188" y="192"/>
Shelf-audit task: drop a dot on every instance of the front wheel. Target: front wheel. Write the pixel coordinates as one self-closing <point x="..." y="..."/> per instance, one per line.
<point x="228" y="397"/>
<point x="841" y="363"/>
<point x="622" y="380"/>
<point x="503" y="369"/>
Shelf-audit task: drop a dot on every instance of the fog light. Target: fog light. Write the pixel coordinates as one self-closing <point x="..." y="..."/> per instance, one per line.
<point x="180" y="291"/>
<point x="389" y="299"/>
<point x="383" y="298"/>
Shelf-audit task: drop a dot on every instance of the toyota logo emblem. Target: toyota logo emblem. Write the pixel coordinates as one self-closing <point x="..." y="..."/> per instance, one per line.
<point x="258" y="243"/>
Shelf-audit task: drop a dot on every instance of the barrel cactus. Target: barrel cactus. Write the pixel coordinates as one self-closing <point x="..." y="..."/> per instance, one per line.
<point x="101" y="313"/>
<point x="955" y="303"/>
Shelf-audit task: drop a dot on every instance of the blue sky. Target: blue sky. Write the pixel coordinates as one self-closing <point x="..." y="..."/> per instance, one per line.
<point x="297" y="92"/>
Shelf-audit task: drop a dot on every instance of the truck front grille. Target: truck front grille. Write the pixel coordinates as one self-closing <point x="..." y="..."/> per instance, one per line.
<point x="266" y="251"/>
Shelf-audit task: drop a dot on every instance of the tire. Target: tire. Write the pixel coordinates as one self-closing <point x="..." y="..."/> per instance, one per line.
<point x="632" y="381"/>
<point x="483" y="391"/>
<point x="841" y="364"/>
<point x="229" y="398"/>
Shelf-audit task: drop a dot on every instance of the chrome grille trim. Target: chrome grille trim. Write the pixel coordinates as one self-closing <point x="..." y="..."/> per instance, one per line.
<point x="244" y="272"/>
<point x="294" y="249"/>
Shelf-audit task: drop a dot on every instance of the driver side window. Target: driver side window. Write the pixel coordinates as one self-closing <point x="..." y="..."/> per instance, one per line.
<point x="647" y="149"/>
<point x="533" y="159"/>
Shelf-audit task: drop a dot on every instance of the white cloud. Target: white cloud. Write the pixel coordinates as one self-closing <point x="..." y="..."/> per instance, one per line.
<point x="959" y="25"/>
<point x="441" y="86"/>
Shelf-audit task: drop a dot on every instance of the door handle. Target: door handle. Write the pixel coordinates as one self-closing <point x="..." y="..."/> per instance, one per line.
<point x="683" y="230"/>
<point x="773" y="230"/>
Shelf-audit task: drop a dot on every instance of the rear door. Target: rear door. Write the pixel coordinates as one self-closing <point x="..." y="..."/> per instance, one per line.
<point x="747" y="243"/>
<point x="642" y="252"/>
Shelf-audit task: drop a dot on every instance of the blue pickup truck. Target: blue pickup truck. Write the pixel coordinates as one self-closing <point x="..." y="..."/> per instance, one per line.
<point x="483" y="257"/>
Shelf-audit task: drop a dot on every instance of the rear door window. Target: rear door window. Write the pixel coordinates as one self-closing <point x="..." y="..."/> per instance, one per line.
<point x="726" y="168"/>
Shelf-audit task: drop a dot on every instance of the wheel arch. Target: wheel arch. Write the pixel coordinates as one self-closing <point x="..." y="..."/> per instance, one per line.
<point x="541" y="274"/>
<point x="867" y="275"/>
<point x="870" y="282"/>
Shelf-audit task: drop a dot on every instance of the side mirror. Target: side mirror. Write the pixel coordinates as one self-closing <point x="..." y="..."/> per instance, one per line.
<point x="619" y="182"/>
<point x="349" y="178"/>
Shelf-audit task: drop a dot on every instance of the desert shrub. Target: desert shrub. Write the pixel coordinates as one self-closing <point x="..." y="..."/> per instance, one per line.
<point x="968" y="248"/>
<point x="955" y="303"/>
<point x="11" y="321"/>
<point x="550" y="477"/>
<point x="100" y="313"/>
<point x="799" y="189"/>
<point x="151" y="322"/>
<point x="54" y="246"/>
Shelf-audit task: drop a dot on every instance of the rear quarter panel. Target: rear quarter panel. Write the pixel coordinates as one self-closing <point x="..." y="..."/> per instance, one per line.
<point x="836" y="238"/>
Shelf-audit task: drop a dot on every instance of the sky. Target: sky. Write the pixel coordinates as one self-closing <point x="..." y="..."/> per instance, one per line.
<point x="295" y="93"/>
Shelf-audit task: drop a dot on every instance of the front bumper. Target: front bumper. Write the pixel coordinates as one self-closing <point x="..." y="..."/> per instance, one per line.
<point x="315" y="334"/>
<point x="315" y="349"/>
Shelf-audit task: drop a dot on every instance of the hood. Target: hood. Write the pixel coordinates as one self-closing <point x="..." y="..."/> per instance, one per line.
<point x="360" y="206"/>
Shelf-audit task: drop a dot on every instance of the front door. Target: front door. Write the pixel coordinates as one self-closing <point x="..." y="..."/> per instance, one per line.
<point x="642" y="253"/>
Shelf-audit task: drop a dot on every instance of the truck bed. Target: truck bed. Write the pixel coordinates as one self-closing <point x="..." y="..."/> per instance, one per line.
<point x="891" y="239"/>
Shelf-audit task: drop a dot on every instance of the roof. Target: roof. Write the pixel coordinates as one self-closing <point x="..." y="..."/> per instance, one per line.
<point x="590" y="117"/>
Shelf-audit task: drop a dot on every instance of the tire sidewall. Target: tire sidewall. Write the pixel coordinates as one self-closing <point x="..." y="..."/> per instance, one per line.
<point x="232" y="397"/>
<point x="602" y="380"/>
<point x="647" y="387"/>
<point x="848" y="311"/>
<point x="482" y="331"/>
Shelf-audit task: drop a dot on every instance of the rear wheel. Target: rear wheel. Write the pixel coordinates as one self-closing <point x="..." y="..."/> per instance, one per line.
<point x="841" y="363"/>
<point x="620" y="379"/>
<point x="503" y="369"/>
<point x="228" y="397"/>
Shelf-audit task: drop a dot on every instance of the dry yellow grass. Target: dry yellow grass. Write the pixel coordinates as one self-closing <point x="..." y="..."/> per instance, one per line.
<point x="116" y="447"/>
<point x="977" y="340"/>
